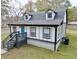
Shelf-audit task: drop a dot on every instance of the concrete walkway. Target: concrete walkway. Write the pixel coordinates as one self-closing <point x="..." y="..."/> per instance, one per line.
<point x="3" y="51"/>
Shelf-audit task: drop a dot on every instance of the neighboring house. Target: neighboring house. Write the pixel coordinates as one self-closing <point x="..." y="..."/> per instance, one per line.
<point x="44" y="29"/>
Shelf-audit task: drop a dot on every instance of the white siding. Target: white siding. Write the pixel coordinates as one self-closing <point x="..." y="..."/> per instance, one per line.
<point x="59" y="32"/>
<point x="53" y="34"/>
<point x="40" y="32"/>
<point x="11" y="29"/>
<point x="17" y="28"/>
<point x="37" y="32"/>
<point x="64" y="29"/>
<point x="59" y="35"/>
<point x="28" y="31"/>
<point x="25" y="28"/>
<point x="58" y="44"/>
<point x="42" y="44"/>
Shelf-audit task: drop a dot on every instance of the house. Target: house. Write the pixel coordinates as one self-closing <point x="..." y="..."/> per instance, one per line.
<point x="44" y="29"/>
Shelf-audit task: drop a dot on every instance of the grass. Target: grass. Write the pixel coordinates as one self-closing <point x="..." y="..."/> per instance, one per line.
<point x="33" y="52"/>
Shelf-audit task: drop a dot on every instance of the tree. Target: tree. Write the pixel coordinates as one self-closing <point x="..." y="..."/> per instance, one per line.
<point x="29" y="6"/>
<point x="72" y="14"/>
<point x="43" y="5"/>
<point x="5" y="8"/>
<point x="71" y="11"/>
<point x="16" y="11"/>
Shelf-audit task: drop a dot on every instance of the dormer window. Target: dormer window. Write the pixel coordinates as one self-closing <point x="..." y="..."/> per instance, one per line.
<point x="27" y="17"/>
<point x="50" y="15"/>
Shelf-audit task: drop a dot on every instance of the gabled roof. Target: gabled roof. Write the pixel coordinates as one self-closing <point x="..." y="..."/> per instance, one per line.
<point x="39" y="18"/>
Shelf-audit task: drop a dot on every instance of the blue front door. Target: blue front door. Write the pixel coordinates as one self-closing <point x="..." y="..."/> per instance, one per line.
<point x="22" y="29"/>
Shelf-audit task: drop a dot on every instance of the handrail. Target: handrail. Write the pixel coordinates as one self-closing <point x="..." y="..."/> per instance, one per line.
<point x="8" y="36"/>
<point x="11" y="38"/>
<point x="6" y="43"/>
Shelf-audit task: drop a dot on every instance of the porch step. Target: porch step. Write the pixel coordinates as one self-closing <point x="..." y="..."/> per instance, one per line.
<point x="9" y="45"/>
<point x="3" y="51"/>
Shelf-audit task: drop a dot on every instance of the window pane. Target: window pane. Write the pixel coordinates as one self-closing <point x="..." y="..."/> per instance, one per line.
<point x="49" y="15"/>
<point x="33" y="31"/>
<point x="46" y="33"/>
<point x="26" y="17"/>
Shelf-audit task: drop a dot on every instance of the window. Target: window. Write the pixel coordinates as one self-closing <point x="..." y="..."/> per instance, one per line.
<point x="26" y="17"/>
<point x="46" y="33"/>
<point x="49" y="15"/>
<point x="33" y="31"/>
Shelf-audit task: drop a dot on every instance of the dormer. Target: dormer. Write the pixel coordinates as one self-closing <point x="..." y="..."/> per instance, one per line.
<point x="50" y="14"/>
<point x="27" y="17"/>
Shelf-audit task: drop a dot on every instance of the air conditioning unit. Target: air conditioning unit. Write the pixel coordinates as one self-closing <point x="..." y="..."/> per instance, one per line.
<point x="65" y="40"/>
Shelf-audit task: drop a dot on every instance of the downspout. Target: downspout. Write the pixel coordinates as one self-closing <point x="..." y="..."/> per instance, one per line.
<point x="66" y="16"/>
<point x="66" y="21"/>
<point x="55" y="38"/>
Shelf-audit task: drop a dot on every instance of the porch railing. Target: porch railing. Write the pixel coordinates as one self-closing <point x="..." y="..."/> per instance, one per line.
<point x="14" y="38"/>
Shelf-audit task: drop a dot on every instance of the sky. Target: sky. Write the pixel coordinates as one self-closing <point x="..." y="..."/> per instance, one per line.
<point x="73" y="2"/>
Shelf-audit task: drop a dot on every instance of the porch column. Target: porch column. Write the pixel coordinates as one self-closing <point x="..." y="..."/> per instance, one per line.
<point x="10" y="28"/>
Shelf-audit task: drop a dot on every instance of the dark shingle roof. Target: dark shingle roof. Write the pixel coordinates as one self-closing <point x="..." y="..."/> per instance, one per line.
<point x="39" y="18"/>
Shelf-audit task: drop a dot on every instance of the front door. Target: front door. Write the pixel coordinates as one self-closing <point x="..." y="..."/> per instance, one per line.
<point x="22" y="29"/>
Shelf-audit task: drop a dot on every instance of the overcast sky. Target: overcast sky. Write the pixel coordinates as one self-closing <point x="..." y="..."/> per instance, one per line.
<point x="73" y="2"/>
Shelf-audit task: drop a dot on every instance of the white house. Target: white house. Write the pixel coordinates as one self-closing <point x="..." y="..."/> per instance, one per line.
<point x="44" y="29"/>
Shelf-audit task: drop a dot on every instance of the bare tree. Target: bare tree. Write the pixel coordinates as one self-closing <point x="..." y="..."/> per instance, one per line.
<point x="29" y="7"/>
<point x="5" y="8"/>
<point x="16" y="11"/>
<point x="43" y="5"/>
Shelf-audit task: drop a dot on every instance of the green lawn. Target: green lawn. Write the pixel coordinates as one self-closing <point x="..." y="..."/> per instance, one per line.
<point x="33" y="52"/>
